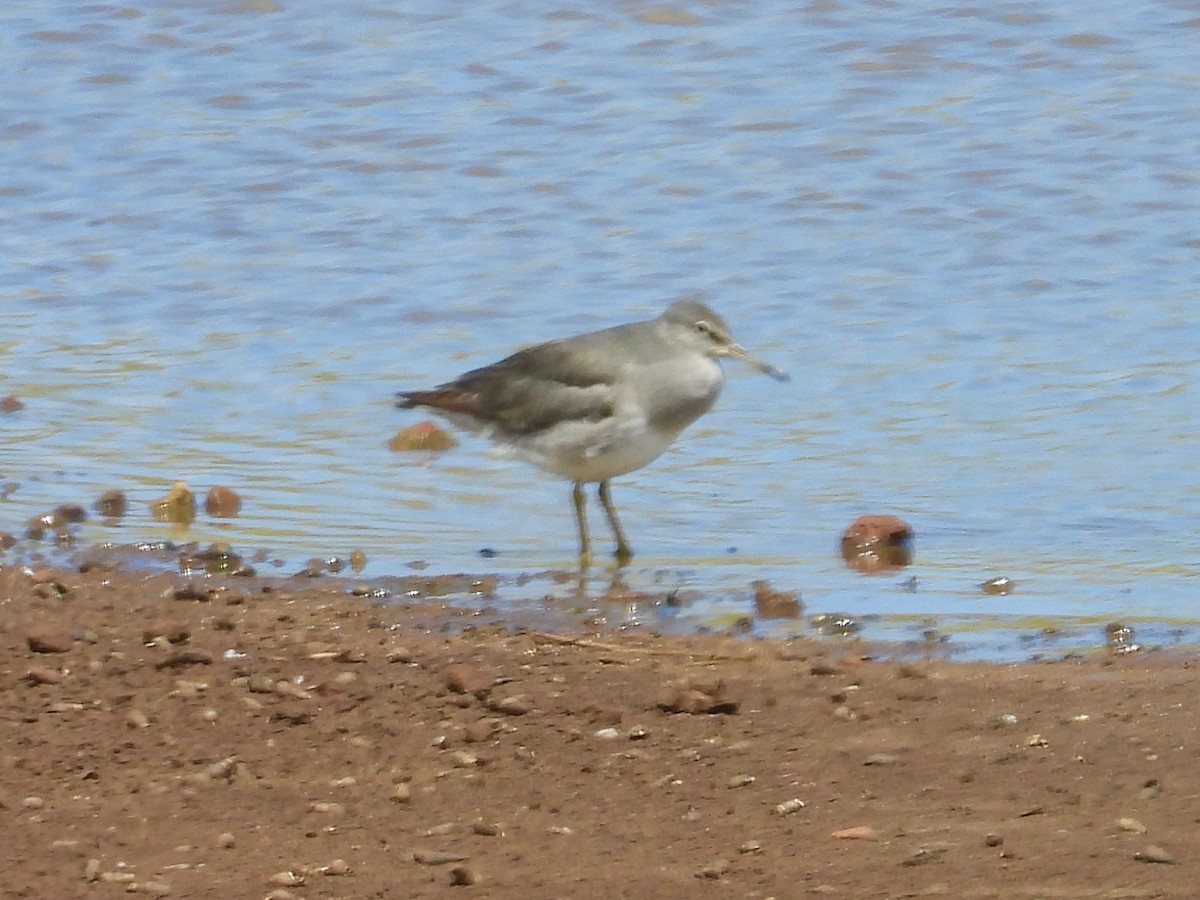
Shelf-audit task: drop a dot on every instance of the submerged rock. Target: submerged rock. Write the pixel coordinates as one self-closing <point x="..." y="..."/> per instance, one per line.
<point x="875" y="544"/>
<point x="178" y="505"/>
<point x="422" y="436"/>
<point x="222" y="502"/>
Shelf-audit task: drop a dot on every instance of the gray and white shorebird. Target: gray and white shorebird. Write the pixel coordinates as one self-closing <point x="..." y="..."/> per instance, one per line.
<point x="599" y="405"/>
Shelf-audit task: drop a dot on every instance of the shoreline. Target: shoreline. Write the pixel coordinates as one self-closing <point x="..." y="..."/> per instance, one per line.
<point x="296" y="741"/>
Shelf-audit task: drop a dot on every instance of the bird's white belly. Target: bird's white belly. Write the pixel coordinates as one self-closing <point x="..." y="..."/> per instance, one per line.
<point x="584" y="451"/>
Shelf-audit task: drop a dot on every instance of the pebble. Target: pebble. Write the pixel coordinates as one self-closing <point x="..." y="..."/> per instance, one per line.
<point x="789" y="806"/>
<point x="465" y="760"/>
<point x="464" y="876"/>
<point x="42" y="675"/>
<point x="32" y="803"/>
<point x="1154" y="854"/>
<point x="607" y="734"/>
<point x="738" y="781"/>
<point x="510" y="706"/>
<point x="478" y="732"/>
<point x="286" y="879"/>
<point x="714" y="869"/>
<point x="222" y="502"/>
<point x="337" y="867"/>
<point x="487" y="829"/>
<point x="1127" y="824"/>
<point x="326" y="808"/>
<point x="135" y="718"/>
<point x="48" y="639"/>
<point x="856" y="833"/>
<point x="153" y="888"/>
<point x="436" y="857"/>
<point x="880" y="759"/>
<point x="402" y="793"/>
<point x="226" y="840"/>
<point x="173" y="630"/>
<point x="464" y="679"/>
<point x="91" y="871"/>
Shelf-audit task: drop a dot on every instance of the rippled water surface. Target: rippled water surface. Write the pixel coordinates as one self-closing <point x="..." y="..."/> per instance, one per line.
<point x="230" y="231"/>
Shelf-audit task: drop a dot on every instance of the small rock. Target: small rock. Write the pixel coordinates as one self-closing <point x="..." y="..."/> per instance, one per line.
<point x="42" y="675"/>
<point x="464" y="679"/>
<point x="178" y="505"/>
<point x="222" y="502"/>
<point x="875" y="544"/>
<point x="226" y="840"/>
<point x="487" y="829"/>
<point x="436" y="857"/>
<point x="1133" y="825"/>
<point x="174" y="631"/>
<point x="337" y="867"/>
<point x="112" y="504"/>
<point x="153" y="888"/>
<point x="135" y="718"/>
<point x="923" y="855"/>
<point x="1154" y="854"/>
<point x="772" y="604"/>
<point x="10" y="403"/>
<point x="693" y="701"/>
<point x="856" y="833"/>
<point x="48" y="639"/>
<point x="714" y="869"/>
<point x="464" y="876"/>
<point x="739" y="781"/>
<point x="787" y="807"/>
<point x="607" y="734"/>
<point x="286" y="879"/>
<point x="478" y="732"/>
<point x="181" y="659"/>
<point x="999" y="585"/>
<point x="510" y="706"/>
<point x="402" y="793"/>
<point x="993" y="840"/>
<point x="422" y="436"/>
<point x="881" y="759"/>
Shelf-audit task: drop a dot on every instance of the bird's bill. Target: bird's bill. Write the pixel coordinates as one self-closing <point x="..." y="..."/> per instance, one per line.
<point x="737" y="351"/>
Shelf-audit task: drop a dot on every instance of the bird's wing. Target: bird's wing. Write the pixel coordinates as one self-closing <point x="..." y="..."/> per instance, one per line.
<point x="529" y="391"/>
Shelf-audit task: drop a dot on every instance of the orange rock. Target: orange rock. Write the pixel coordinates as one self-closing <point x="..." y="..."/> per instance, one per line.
<point x="875" y="544"/>
<point x="422" y="436"/>
<point x="772" y="604"/>
<point x="222" y="502"/>
<point x="464" y="679"/>
<point x="178" y="505"/>
<point x="857" y="833"/>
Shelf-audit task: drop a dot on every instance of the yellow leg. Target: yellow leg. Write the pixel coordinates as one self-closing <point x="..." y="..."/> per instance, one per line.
<point x="624" y="553"/>
<point x="580" y="500"/>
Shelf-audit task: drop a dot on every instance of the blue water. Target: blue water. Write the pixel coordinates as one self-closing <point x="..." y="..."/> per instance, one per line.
<point x="228" y="232"/>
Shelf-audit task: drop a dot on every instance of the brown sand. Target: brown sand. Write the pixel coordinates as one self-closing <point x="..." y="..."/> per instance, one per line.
<point x="299" y="742"/>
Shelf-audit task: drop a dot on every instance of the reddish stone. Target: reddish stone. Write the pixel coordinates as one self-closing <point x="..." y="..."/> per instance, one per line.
<point x="222" y="502"/>
<point x="422" y="436"/>
<point x="48" y="639"/>
<point x="772" y="604"/>
<point x="876" y="544"/>
<point x="464" y="679"/>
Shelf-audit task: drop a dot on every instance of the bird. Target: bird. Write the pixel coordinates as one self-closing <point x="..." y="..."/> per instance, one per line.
<point x="599" y="405"/>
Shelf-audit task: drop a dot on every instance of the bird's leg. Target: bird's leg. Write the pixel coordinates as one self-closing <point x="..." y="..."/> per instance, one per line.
<point x="624" y="553"/>
<point x="580" y="500"/>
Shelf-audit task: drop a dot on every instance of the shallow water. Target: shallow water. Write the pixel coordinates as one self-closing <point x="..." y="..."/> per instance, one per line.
<point x="230" y="232"/>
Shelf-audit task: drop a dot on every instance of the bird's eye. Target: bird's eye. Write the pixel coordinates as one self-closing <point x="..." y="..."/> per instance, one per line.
<point x="704" y="328"/>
